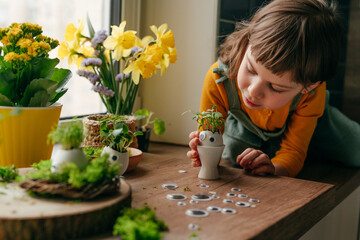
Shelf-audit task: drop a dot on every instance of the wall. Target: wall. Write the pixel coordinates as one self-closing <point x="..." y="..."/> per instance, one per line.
<point x="352" y="80"/>
<point x="194" y="24"/>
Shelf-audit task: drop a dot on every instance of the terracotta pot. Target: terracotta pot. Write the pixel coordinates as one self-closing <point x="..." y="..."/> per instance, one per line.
<point x="23" y="137"/>
<point x="92" y="129"/>
<point x="134" y="158"/>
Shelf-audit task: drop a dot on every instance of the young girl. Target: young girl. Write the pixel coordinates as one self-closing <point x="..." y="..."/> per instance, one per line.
<point x="270" y="85"/>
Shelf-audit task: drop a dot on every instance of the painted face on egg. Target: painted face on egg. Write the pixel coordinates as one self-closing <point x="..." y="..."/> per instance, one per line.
<point x="208" y="138"/>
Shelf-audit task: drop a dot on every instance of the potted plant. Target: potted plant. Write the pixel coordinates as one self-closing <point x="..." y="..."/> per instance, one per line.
<point x="70" y="136"/>
<point x="97" y="56"/>
<point x="211" y="144"/>
<point x="117" y="142"/>
<point x="29" y="82"/>
<point x="159" y="127"/>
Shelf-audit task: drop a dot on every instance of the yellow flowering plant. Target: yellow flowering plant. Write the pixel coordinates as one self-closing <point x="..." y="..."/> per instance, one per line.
<point x="97" y="54"/>
<point x="28" y="77"/>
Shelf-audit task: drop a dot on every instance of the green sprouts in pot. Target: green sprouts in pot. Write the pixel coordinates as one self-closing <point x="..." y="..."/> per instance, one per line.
<point x="210" y="120"/>
<point x="68" y="135"/>
<point x="118" y="138"/>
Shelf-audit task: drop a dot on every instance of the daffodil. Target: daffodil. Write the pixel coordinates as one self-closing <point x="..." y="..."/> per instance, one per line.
<point x="153" y="53"/>
<point x="119" y="41"/>
<point x="139" y="68"/>
<point x="173" y="55"/>
<point x="164" y="64"/>
<point x="73" y="33"/>
<point x="164" y="40"/>
<point x="70" y="50"/>
<point x="144" y="41"/>
<point x="138" y="58"/>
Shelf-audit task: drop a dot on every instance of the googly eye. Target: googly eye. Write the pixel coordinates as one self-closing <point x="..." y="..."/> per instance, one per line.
<point x="114" y="158"/>
<point x="212" y="139"/>
<point x="202" y="136"/>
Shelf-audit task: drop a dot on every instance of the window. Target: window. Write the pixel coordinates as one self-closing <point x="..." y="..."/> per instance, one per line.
<point x="54" y="16"/>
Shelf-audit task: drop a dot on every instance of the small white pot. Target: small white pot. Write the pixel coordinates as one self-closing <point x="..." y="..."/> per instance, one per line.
<point x="210" y="149"/>
<point x="115" y="156"/>
<point x="208" y="138"/>
<point x="75" y="156"/>
<point x="210" y="157"/>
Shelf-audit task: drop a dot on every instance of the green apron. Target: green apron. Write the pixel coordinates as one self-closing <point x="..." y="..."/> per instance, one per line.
<point x="336" y="137"/>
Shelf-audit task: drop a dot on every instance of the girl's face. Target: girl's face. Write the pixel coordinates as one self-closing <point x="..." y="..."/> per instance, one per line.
<point x="261" y="89"/>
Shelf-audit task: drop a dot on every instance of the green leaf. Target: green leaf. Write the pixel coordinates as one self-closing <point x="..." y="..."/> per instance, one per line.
<point x="90" y="27"/>
<point x="57" y="96"/>
<point x="40" y="99"/>
<point x="7" y="83"/>
<point x="61" y="76"/>
<point x="35" y="86"/>
<point x="159" y="126"/>
<point x="141" y="114"/>
<point x="5" y="101"/>
<point x="44" y="68"/>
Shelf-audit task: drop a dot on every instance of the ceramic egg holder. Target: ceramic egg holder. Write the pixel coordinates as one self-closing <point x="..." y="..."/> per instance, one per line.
<point x="118" y="157"/>
<point x="210" y="150"/>
<point x="75" y="156"/>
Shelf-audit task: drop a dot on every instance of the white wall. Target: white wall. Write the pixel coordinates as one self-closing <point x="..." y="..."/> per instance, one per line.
<point x="194" y="24"/>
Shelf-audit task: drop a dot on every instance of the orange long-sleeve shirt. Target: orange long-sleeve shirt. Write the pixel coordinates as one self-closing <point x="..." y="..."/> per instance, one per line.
<point x="299" y="130"/>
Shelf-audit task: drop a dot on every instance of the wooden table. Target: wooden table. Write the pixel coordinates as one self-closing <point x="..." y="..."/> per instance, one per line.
<point x="288" y="206"/>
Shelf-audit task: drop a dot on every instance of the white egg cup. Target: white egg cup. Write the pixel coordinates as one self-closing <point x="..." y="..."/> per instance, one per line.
<point x="119" y="157"/>
<point x="210" y="150"/>
<point x="75" y="156"/>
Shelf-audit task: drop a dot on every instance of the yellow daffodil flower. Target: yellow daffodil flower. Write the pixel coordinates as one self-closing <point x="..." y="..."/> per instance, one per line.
<point x="69" y="49"/>
<point x="140" y="67"/>
<point x="153" y="53"/>
<point x="164" y="64"/>
<point x="144" y="41"/>
<point x="164" y="40"/>
<point x="173" y="55"/>
<point x="73" y="33"/>
<point x="119" y="41"/>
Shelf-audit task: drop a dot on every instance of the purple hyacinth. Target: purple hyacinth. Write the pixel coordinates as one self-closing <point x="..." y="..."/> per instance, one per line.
<point x="93" y="77"/>
<point x="135" y="50"/>
<point x="91" y="62"/>
<point x="103" y="90"/>
<point x="99" y="38"/>
<point x="96" y="53"/>
<point x="121" y="76"/>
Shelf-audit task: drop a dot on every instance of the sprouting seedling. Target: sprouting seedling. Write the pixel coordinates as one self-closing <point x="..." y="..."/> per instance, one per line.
<point x="210" y="120"/>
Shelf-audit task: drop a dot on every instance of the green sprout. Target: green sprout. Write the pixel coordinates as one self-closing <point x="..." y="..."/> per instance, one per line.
<point x="210" y="120"/>
<point x="119" y="138"/>
<point x="68" y="135"/>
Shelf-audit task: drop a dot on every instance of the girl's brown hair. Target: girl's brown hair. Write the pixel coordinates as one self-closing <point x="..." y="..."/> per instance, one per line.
<point x="301" y="36"/>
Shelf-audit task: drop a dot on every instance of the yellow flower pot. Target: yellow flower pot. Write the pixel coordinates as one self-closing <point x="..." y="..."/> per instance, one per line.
<point x="23" y="137"/>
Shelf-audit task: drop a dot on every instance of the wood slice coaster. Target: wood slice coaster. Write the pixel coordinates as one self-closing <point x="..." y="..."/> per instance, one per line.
<point x="23" y="217"/>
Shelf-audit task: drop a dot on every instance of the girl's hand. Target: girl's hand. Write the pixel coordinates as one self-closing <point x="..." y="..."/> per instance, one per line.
<point x="256" y="161"/>
<point x="193" y="153"/>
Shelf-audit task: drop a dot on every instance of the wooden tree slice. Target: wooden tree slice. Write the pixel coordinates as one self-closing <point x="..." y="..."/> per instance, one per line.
<point x="23" y="217"/>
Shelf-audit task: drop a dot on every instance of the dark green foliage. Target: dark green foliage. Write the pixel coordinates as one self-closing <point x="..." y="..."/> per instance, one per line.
<point x="8" y="174"/>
